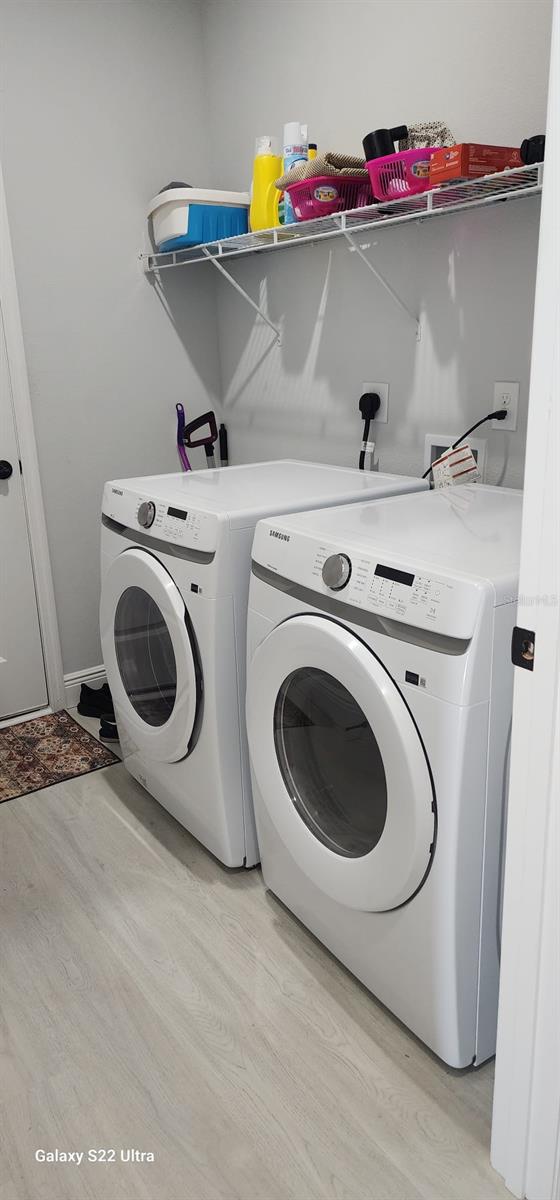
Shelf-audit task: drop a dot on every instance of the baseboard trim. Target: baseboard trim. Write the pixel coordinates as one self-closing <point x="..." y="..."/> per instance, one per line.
<point x="95" y="676"/>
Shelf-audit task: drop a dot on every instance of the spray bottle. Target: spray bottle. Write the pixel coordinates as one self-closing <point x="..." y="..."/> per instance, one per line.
<point x="295" y="150"/>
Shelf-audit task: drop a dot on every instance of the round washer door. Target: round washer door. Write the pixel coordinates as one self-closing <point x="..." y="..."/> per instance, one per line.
<point x="149" y="655"/>
<point x="340" y="764"/>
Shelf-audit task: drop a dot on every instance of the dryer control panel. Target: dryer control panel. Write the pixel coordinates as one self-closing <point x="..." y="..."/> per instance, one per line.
<point x="167" y="522"/>
<point x="419" y="597"/>
<point x="400" y="592"/>
<point x="378" y="582"/>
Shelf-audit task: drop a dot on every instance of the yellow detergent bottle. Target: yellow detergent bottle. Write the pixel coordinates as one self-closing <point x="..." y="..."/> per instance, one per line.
<point x="265" y="197"/>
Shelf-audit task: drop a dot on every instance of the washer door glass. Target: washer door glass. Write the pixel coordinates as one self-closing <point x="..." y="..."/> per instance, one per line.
<point x="151" y="658"/>
<point x="330" y="761"/>
<point x="145" y="656"/>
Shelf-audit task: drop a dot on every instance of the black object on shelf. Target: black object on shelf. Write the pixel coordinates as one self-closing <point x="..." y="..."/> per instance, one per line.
<point x="382" y="141"/>
<point x="532" y="149"/>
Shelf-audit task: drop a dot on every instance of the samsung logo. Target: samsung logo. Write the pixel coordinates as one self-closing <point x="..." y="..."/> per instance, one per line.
<point x="117" y="491"/>
<point x="284" y="537"/>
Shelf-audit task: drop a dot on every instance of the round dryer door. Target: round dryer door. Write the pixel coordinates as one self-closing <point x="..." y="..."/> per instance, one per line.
<point x="340" y="764"/>
<point x="150" y="655"/>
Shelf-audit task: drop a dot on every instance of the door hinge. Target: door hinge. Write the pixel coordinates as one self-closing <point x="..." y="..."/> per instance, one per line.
<point x="523" y="648"/>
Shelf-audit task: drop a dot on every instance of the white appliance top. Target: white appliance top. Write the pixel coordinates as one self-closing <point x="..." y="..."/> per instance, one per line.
<point x="190" y="504"/>
<point x="421" y="559"/>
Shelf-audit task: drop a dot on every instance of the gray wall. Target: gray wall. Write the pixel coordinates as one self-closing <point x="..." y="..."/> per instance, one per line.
<point x="345" y="67"/>
<point x="97" y="115"/>
<point x="104" y="102"/>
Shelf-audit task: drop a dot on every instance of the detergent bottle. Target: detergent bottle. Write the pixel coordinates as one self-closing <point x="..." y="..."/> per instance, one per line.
<point x="263" y="213"/>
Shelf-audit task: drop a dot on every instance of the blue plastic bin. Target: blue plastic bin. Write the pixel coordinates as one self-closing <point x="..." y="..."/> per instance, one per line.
<point x="185" y="217"/>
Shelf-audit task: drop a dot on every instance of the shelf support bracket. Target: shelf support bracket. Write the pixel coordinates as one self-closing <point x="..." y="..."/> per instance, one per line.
<point x="213" y="259"/>
<point x="341" y="222"/>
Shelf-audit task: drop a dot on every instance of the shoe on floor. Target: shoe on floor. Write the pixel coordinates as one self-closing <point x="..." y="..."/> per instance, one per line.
<point x="96" y="702"/>
<point x="108" y="732"/>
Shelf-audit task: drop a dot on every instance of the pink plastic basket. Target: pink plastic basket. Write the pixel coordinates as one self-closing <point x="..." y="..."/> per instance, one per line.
<point x="403" y="174"/>
<point x="326" y="194"/>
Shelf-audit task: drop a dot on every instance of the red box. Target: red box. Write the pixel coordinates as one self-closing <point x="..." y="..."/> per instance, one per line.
<point x="470" y="160"/>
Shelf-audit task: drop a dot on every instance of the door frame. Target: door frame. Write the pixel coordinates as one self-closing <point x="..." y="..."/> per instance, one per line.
<point x="31" y="482"/>
<point x="526" y="1119"/>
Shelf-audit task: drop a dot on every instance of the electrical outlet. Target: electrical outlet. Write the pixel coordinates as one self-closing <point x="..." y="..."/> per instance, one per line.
<point x="506" y="395"/>
<point x="382" y="414"/>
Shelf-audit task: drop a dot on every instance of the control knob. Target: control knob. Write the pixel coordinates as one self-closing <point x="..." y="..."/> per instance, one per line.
<point x="336" y="572"/>
<point x="146" y="513"/>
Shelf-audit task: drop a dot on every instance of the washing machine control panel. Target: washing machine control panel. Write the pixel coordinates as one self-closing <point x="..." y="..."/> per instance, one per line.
<point x="167" y="520"/>
<point x="172" y="524"/>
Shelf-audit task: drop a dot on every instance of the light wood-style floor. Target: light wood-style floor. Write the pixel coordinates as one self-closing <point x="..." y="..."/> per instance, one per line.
<point x="151" y="999"/>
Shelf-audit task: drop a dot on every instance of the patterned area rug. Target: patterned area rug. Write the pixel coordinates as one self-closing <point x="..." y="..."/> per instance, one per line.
<point x="47" y="750"/>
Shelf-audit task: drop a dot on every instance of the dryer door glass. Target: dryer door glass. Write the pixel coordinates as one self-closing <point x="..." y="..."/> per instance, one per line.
<point x="340" y="770"/>
<point x="331" y="762"/>
<point x="145" y="656"/>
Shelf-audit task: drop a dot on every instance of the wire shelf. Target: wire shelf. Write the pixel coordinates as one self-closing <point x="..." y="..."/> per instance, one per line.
<point x="455" y="197"/>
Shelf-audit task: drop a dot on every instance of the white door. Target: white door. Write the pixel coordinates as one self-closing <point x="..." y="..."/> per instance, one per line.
<point x="340" y="764"/>
<point x="23" y="685"/>
<point x="526" y="1123"/>
<point x="151" y="657"/>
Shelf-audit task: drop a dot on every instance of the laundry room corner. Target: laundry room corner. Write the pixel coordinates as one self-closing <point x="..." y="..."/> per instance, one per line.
<point x="279" y="601"/>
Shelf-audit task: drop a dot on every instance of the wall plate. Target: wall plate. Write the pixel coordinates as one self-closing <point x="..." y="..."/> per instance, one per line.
<point x="437" y="443"/>
<point x="506" y="395"/>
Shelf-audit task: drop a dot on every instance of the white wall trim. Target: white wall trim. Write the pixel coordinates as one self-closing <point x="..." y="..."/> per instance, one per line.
<point x="526" y="1119"/>
<point x="31" y="481"/>
<point x="94" y="676"/>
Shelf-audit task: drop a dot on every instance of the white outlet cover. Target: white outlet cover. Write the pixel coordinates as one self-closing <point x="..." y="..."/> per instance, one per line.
<point x="506" y="395"/>
<point x="382" y="389"/>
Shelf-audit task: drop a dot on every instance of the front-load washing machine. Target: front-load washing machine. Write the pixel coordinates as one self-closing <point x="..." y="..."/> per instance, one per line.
<point x="176" y="560"/>
<point x="379" y="699"/>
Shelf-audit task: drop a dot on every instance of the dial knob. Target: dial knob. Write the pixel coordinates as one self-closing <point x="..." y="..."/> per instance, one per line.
<point x="6" y="468"/>
<point x="337" y="570"/>
<point x="146" y="513"/>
